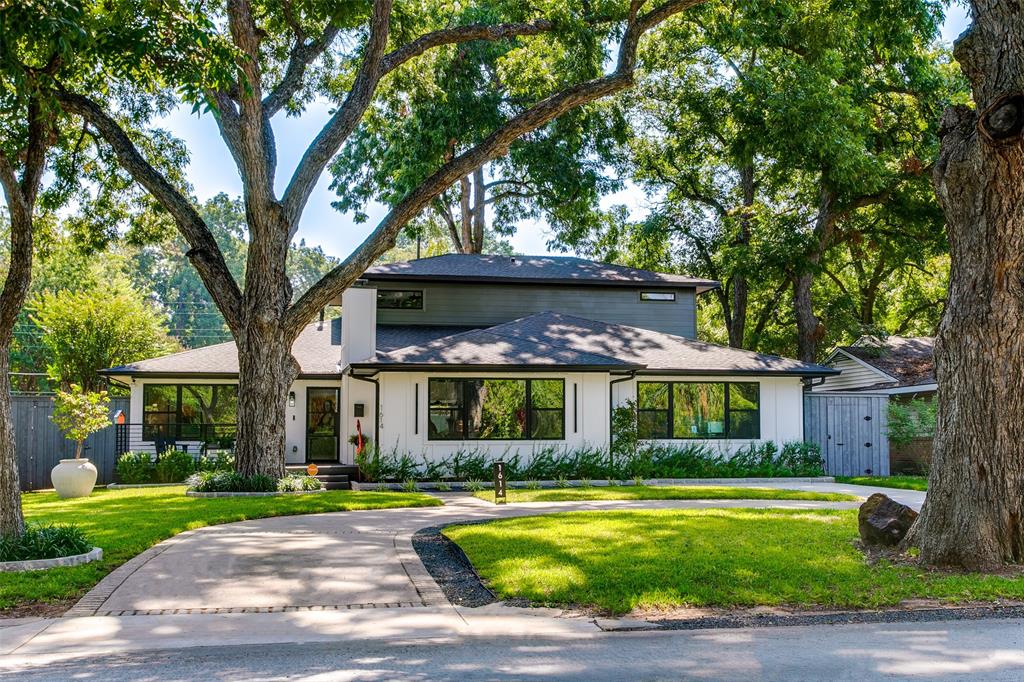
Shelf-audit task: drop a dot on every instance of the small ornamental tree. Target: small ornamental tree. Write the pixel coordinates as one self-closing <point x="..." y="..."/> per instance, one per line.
<point x="86" y="331"/>
<point x="79" y="414"/>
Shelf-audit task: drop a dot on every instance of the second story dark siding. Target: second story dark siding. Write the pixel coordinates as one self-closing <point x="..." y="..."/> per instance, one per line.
<point x="491" y="304"/>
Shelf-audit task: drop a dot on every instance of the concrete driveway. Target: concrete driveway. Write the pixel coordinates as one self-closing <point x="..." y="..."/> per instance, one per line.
<point x="342" y="560"/>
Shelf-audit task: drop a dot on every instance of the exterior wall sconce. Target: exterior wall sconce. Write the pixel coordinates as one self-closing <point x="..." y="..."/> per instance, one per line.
<point x="291" y="398"/>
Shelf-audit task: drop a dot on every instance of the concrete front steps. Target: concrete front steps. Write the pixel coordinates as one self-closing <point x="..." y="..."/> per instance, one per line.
<point x="333" y="476"/>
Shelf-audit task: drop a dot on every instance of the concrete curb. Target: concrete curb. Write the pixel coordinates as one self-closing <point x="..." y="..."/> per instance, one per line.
<point x="95" y="554"/>
<point x="428" y="589"/>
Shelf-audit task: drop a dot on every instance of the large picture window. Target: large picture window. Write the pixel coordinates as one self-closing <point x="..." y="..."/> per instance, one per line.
<point x="496" y="409"/>
<point x="187" y="411"/>
<point x="686" y="409"/>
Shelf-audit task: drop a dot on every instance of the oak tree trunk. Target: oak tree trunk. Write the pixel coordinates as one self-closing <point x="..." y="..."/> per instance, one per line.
<point x="737" y="322"/>
<point x="973" y="516"/>
<point x="266" y="368"/>
<point x="11" y="520"/>
<point x="20" y="200"/>
<point x="810" y="330"/>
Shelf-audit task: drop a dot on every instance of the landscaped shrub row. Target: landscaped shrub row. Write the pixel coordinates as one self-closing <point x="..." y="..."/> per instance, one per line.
<point x="646" y="461"/>
<point x="172" y="466"/>
<point x="44" y="542"/>
<point x="234" y="482"/>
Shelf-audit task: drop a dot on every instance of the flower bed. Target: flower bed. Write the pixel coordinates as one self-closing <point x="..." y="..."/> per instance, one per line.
<point x="45" y="547"/>
<point x="646" y="461"/>
<point x="475" y="485"/>
<point x="221" y="483"/>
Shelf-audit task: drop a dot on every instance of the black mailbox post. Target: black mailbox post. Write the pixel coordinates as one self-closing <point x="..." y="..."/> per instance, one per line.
<point x="499" y="483"/>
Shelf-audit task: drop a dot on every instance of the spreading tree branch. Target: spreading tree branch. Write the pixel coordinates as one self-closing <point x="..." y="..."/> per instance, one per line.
<point x="461" y="34"/>
<point x="494" y="145"/>
<point x="302" y="55"/>
<point x="255" y="137"/>
<point x="344" y="120"/>
<point x="204" y="251"/>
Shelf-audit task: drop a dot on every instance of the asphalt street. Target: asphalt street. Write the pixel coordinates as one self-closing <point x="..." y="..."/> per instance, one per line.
<point x="955" y="650"/>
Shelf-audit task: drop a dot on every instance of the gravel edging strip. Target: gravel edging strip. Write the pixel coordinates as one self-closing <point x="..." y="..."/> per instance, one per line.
<point x="95" y="554"/>
<point x="449" y="566"/>
<point x="193" y="493"/>
<point x="837" y="618"/>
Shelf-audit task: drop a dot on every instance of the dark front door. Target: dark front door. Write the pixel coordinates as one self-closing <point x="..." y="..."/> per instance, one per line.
<point x="321" y="425"/>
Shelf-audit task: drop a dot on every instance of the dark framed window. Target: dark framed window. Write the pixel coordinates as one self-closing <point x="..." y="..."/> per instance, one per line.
<point x="496" y="409"/>
<point x="187" y="411"/>
<point x="667" y="296"/>
<point x="394" y="299"/>
<point x="704" y="410"/>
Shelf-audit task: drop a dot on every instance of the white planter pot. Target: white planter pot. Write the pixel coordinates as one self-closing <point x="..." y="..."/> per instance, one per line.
<point x="73" y="477"/>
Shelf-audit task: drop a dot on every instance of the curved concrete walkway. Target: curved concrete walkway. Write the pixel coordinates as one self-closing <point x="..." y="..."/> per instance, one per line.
<point x="339" y="560"/>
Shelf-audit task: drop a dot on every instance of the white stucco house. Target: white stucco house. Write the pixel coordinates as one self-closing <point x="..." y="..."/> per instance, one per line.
<point x="493" y="353"/>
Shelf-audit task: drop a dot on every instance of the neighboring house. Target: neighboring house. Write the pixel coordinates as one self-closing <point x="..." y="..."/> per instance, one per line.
<point x="491" y="353"/>
<point x="897" y="366"/>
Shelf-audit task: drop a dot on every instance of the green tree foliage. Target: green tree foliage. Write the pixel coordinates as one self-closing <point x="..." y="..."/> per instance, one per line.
<point x="79" y="414"/>
<point x="787" y="146"/>
<point x="555" y="173"/>
<point x="48" y="161"/>
<point x="92" y="329"/>
<point x="163" y="270"/>
<point x="910" y="419"/>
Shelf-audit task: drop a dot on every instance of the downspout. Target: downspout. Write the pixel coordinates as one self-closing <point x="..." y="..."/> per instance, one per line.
<point x="376" y="405"/>
<point x="611" y="408"/>
<point x="811" y="382"/>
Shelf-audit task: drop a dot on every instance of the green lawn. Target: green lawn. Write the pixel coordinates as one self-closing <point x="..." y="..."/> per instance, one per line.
<point x="126" y="522"/>
<point x="690" y="492"/>
<point x="623" y="560"/>
<point x="902" y="482"/>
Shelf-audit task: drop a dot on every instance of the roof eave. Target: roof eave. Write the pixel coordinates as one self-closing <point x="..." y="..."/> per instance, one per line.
<point x="114" y="372"/>
<point x="438" y="367"/>
<point x="700" y="285"/>
<point x="742" y="372"/>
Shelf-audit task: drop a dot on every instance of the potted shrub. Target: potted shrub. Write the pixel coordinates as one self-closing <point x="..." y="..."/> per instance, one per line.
<point x="78" y="414"/>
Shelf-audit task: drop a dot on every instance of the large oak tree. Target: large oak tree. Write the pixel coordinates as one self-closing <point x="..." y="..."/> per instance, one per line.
<point x="974" y="513"/>
<point x="284" y="54"/>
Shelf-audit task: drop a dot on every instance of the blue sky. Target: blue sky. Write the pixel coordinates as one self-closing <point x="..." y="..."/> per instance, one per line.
<point x="211" y="171"/>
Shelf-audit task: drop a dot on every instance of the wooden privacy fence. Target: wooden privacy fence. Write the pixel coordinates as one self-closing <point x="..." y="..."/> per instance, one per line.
<point x="852" y="430"/>
<point x="41" y="445"/>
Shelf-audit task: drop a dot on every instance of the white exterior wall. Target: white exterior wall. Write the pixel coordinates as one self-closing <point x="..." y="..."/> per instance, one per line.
<point x="781" y="409"/>
<point x="586" y="417"/>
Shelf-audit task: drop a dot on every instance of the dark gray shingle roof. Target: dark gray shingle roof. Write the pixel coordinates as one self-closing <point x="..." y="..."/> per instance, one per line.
<point x="528" y="269"/>
<point x="541" y="341"/>
<point x="547" y="339"/>
<point x="317" y="350"/>
<point x="908" y="359"/>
